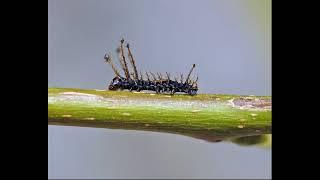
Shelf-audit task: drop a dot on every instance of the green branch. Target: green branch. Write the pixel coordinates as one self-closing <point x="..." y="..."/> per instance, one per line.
<point x="207" y="116"/>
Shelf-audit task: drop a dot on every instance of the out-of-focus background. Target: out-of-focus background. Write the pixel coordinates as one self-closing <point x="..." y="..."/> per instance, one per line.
<point x="228" y="40"/>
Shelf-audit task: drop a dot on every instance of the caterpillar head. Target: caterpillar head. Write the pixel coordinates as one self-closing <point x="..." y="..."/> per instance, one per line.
<point x="193" y="90"/>
<point x="115" y="84"/>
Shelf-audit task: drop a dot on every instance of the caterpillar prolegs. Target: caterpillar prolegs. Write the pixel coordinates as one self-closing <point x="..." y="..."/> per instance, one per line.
<point x="158" y="83"/>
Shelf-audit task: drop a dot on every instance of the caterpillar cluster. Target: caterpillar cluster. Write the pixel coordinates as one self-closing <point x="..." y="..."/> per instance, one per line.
<point x="158" y="84"/>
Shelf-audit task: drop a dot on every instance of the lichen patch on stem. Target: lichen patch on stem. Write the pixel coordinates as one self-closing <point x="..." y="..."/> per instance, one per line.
<point x="196" y="110"/>
<point x="126" y="114"/>
<point x="76" y="93"/>
<point x="251" y="103"/>
<point x="76" y="97"/>
<point x="66" y="115"/>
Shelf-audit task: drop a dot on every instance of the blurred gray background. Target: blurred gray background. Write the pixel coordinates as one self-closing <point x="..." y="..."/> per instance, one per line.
<point x="228" y="40"/>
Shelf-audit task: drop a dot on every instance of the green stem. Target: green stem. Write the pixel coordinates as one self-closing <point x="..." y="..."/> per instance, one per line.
<point x="207" y="116"/>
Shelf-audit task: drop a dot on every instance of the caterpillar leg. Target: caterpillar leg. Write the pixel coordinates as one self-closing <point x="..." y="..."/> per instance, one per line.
<point x="192" y="92"/>
<point x="173" y="91"/>
<point x="157" y="89"/>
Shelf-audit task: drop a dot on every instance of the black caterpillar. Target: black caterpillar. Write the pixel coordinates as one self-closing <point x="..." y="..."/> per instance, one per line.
<point x="159" y="85"/>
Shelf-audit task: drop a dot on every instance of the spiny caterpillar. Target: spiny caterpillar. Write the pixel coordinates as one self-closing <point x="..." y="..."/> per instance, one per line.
<point x="157" y="84"/>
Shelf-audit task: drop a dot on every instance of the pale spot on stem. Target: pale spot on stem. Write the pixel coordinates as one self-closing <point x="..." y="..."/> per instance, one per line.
<point x="76" y="93"/>
<point x="196" y="110"/>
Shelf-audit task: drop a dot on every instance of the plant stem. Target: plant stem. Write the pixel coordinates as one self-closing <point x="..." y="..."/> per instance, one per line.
<point x="207" y="116"/>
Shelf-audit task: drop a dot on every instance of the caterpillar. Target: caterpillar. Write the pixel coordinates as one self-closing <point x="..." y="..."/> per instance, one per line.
<point x="160" y="84"/>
